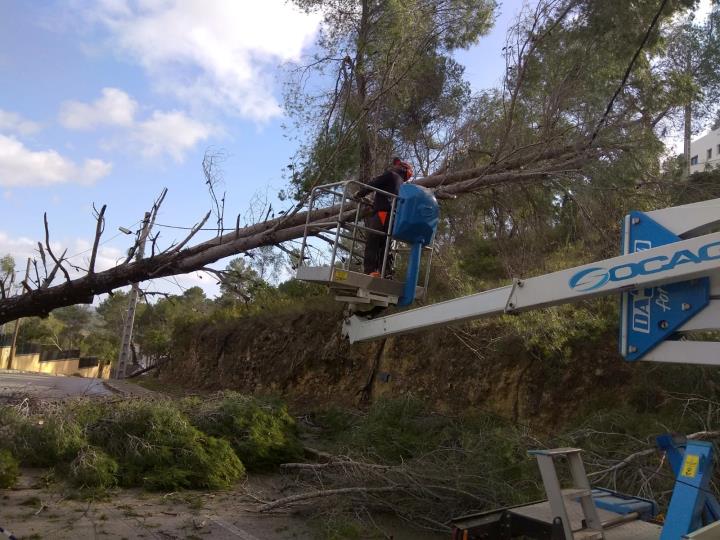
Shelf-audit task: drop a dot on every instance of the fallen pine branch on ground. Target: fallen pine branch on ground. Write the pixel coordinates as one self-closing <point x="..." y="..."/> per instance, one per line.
<point x="300" y="497"/>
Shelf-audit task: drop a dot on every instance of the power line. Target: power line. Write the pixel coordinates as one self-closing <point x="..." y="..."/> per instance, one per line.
<point x="190" y="228"/>
<point x="628" y="71"/>
<point x="101" y="243"/>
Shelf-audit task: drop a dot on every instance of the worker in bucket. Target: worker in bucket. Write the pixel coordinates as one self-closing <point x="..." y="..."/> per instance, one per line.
<point x="390" y="182"/>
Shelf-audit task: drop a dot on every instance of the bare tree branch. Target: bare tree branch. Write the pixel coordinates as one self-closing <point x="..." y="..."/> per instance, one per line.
<point x="99" y="228"/>
<point x="58" y="263"/>
<point x="292" y="499"/>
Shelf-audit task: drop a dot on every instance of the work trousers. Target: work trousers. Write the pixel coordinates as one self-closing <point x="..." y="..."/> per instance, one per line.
<point x="375" y="244"/>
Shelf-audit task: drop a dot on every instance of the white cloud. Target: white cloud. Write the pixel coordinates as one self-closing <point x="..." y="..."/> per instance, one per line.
<point x="171" y="133"/>
<point x="22" y="167"/>
<point x="163" y="132"/>
<point x="11" y="122"/>
<point x="113" y="108"/>
<point x="220" y="53"/>
<point x="20" y="248"/>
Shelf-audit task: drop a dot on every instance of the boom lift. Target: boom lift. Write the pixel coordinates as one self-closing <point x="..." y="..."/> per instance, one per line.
<point x="412" y="222"/>
<point x="668" y="276"/>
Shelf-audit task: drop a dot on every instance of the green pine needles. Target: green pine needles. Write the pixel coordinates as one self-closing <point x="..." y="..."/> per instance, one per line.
<point x="154" y="444"/>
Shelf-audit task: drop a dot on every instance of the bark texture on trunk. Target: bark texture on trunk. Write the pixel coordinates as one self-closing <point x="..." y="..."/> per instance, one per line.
<point x="534" y="166"/>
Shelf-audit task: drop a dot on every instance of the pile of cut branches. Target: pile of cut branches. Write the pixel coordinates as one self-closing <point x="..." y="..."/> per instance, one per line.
<point x="421" y="466"/>
<point x="427" y="468"/>
<point x="158" y="444"/>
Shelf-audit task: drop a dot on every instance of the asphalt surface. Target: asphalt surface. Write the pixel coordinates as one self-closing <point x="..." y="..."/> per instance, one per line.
<point x="50" y="386"/>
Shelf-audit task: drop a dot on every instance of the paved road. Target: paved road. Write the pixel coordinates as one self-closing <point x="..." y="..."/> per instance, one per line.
<point x="50" y="386"/>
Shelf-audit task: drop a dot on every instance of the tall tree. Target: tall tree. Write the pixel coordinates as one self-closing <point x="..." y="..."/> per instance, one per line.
<point x="240" y="281"/>
<point x="7" y="272"/>
<point x="693" y="56"/>
<point x="396" y="85"/>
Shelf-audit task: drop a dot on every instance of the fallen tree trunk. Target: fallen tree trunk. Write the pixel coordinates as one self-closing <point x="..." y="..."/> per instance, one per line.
<point x="181" y="260"/>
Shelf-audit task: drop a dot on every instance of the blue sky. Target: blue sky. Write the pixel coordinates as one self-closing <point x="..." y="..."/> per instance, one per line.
<point x="110" y="101"/>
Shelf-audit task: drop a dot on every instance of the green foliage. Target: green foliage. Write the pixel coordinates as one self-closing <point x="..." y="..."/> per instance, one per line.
<point x="396" y="429"/>
<point x="162" y="444"/>
<point x="74" y="323"/>
<point x="339" y="527"/>
<point x="552" y="332"/>
<point x="458" y="448"/>
<point x="9" y="470"/>
<point x="261" y="432"/>
<point x="47" y="440"/>
<point x="7" y="269"/>
<point x="481" y="260"/>
<point x="336" y="422"/>
<point x="157" y="448"/>
<point x="156" y="324"/>
<point x="242" y="283"/>
<point x="93" y="468"/>
<point x="295" y="289"/>
<point x="397" y="92"/>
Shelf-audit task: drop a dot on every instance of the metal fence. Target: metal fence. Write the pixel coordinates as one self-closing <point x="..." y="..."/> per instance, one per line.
<point x="88" y="362"/>
<point x="48" y="355"/>
<point x="28" y="348"/>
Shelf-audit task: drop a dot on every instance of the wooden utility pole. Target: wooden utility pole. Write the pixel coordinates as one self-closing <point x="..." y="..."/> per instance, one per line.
<point x="13" y="343"/>
<point x="125" y="356"/>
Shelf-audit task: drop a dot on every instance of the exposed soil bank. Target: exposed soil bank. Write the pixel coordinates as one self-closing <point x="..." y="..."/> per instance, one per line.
<point x="303" y="358"/>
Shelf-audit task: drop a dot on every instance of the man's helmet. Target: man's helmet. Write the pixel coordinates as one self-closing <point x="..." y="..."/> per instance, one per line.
<point x="403" y="166"/>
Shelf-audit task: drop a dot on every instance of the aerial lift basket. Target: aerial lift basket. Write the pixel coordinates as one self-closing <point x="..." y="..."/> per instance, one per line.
<point x="334" y="243"/>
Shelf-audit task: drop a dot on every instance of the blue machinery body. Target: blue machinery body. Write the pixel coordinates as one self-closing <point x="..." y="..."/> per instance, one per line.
<point x="692" y="504"/>
<point x="416" y="221"/>
<point x="652" y="315"/>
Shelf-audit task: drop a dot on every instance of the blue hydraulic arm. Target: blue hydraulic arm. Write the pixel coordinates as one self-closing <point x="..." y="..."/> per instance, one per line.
<point x="692" y="504"/>
<point x="416" y="221"/>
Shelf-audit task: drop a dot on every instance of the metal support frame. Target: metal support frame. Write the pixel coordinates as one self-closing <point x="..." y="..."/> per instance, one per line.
<point x="347" y="225"/>
<point x="342" y="196"/>
<point x="689" y="496"/>
<point x="557" y="496"/>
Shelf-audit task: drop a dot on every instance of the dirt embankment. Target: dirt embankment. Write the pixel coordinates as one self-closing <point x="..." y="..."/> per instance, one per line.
<point x="304" y="359"/>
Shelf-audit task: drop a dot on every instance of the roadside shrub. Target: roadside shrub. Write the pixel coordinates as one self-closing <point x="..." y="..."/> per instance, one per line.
<point x="9" y="470"/>
<point x="93" y="468"/>
<point x="48" y="440"/>
<point x="554" y="332"/>
<point x="10" y="422"/>
<point x="156" y="447"/>
<point x="262" y="433"/>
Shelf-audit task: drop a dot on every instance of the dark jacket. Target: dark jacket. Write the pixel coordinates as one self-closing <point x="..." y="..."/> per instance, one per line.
<point x="389" y="181"/>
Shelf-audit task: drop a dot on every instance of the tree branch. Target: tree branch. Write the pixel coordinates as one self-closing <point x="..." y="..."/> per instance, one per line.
<point x="99" y="228"/>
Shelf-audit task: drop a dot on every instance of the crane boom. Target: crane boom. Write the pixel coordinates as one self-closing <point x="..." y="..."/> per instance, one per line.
<point x="664" y="269"/>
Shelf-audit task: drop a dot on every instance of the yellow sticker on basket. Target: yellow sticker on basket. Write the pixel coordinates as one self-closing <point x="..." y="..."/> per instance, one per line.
<point x="340" y="275"/>
<point x="690" y="466"/>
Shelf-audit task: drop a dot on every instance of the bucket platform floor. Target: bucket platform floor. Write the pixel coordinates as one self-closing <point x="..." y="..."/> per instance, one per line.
<point x="341" y="280"/>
